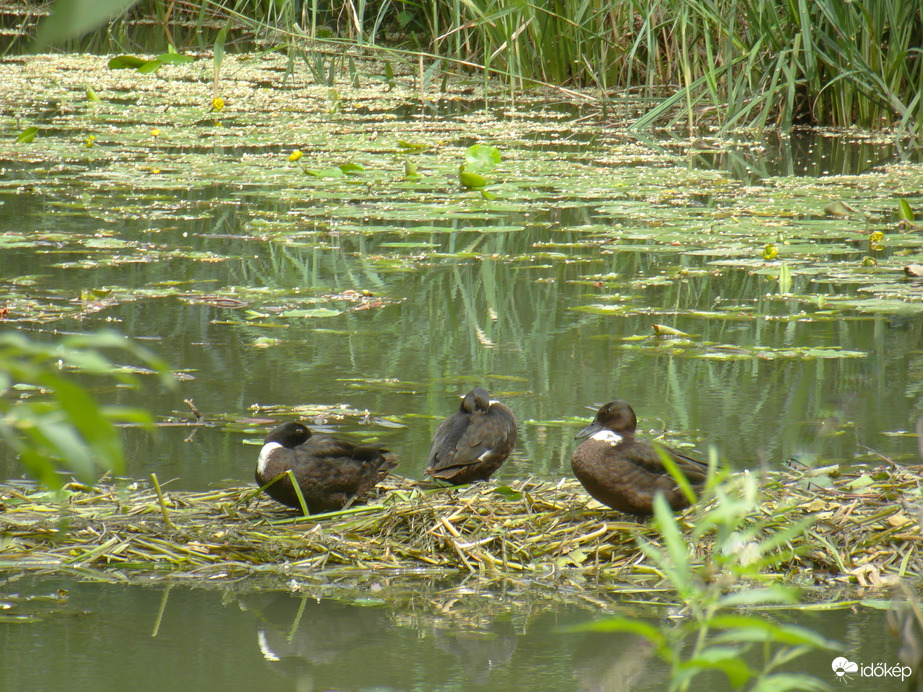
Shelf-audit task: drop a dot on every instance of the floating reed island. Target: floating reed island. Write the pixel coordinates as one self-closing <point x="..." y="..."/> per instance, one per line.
<point x="865" y="531"/>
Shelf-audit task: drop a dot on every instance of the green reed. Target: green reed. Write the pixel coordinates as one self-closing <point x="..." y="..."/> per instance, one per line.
<point x="704" y="63"/>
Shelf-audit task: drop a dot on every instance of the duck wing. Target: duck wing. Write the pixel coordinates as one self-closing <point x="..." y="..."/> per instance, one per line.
<point x="329" y="447"/>
<point x="332" y="472"/>
<point x="495" y="435"/>
<point x="446" y="441"/>
<point x="645" y="455"/>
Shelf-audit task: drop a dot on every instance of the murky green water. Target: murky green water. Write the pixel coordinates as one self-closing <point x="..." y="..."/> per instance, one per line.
<point x="433" y="636"/>
<point x="236" y="268"/>
<point x="463" y="307"/>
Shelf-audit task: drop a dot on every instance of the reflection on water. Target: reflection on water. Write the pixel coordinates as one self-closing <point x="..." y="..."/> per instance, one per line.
<point x="798" y="154"/>
<point x="502" y="308"/>
<point x="419" y="637"/>
<point x="618" y="662"/>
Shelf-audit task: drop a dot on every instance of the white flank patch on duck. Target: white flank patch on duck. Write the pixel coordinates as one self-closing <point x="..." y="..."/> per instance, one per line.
<point x="264" y="455"/>
<point x="607" y="436"/>
<point x="492" y="402"/>
<point x="485" y="454"/>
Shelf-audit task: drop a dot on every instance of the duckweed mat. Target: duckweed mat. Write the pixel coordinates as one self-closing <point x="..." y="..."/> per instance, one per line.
<point x="864" y="532"/>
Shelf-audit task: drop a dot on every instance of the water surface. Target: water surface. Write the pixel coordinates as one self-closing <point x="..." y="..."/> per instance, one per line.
<point x="371" y="302"/>
<point x="434" y="636"/>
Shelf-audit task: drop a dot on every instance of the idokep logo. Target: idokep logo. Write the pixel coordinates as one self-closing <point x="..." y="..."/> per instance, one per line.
<point x="843" y="667"/>
<point x="845" y="670"/>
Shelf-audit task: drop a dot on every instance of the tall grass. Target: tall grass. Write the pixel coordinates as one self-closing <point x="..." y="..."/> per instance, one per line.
<point x="718" y="63"/>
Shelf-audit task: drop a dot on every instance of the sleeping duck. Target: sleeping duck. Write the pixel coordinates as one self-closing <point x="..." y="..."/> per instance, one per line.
<point x="330" y="472"/>
<point x="472" y="443"/>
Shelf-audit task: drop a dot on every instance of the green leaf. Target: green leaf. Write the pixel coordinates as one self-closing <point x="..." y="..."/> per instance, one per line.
<point x="755" y="596"/>
<point x="73" y="18"/>
<point x="88" y="419"/>
<point x="218" y="51"/>
<point x="173" y="58"/>
<point x="507" y="492"/>
<point x="785" y="279"/>
<point x="681" y="481"/>
<point x="410" y="171"/>
<point x="150" y="66"/>
<point x="751" y="628"/>
<point x="727" y="659"/>
<point x="412" y="146"/>
<point x="470" y="181"/>
<point x="351" y="168"/>
<point x="312" y="312"/>
<point x="839" y="208"/>
<point x="57" y="440"/>
<point x="65" y="428"/>
<point x="126" y="62"/>
<point x="620" y="624"/>
<point x="91" y="94"/>
<point x="904" y="210"/>
<point x="27" y="135"/>
<point x="673" y="540"/>
<point x="862" y="481"/>
<point x="335" y="172"/>
<point x="482" y="157"/>
<point x="131" y="62"/>
<point x="783" y="682"/>
<point x="389" y="74"/>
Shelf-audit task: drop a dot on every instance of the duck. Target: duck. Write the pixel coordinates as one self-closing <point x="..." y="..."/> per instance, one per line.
<point x="625" y="472"/>
<point x="330" y="472"/>
<point x="473" y="442"/>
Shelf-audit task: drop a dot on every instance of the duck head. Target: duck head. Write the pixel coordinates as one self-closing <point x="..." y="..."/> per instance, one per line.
<point x="616" y="416"/>
<point x="475" y="401"/>
<point x="288" y="435"/>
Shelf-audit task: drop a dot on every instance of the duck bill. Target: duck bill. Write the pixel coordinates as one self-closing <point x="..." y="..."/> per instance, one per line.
<point x="591" y="429"/>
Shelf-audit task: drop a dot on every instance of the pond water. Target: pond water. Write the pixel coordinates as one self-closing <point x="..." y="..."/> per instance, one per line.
<point x="368" y="303"/>
<point x="538" y="307"/>
<point x="427" y="636"/>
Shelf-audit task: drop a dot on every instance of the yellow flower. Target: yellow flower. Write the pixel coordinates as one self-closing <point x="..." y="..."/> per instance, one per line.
<point x="295" y="155"/>
<point x="770" y="252"/>
<point x="88" y="142"/>
<point x="155" y="132"/>
<point x="218" y="103"/>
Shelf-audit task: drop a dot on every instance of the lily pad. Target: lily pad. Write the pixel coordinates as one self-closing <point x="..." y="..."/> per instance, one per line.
<point x="312" y="312"/>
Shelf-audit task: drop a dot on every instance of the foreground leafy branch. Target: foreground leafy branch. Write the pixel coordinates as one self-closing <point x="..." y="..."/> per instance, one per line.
<point x="54" y="423"/>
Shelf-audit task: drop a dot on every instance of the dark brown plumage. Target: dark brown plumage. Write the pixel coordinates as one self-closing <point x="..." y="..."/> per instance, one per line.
<point x="472" y="443"/>
<point x="625" y="472"/>
<point x="330" y="472"/>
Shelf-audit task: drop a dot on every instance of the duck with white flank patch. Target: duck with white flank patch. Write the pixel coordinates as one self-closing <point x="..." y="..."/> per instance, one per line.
<point x="472" y="443"/>
<point x="625" y="472"/>
<point x="330" y="472"/>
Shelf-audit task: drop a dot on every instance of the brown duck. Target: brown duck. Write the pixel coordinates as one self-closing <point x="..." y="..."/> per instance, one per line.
<point x="330" y="472"/>
<point x="625" y="472"/>
<point x="472" y="443"/>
